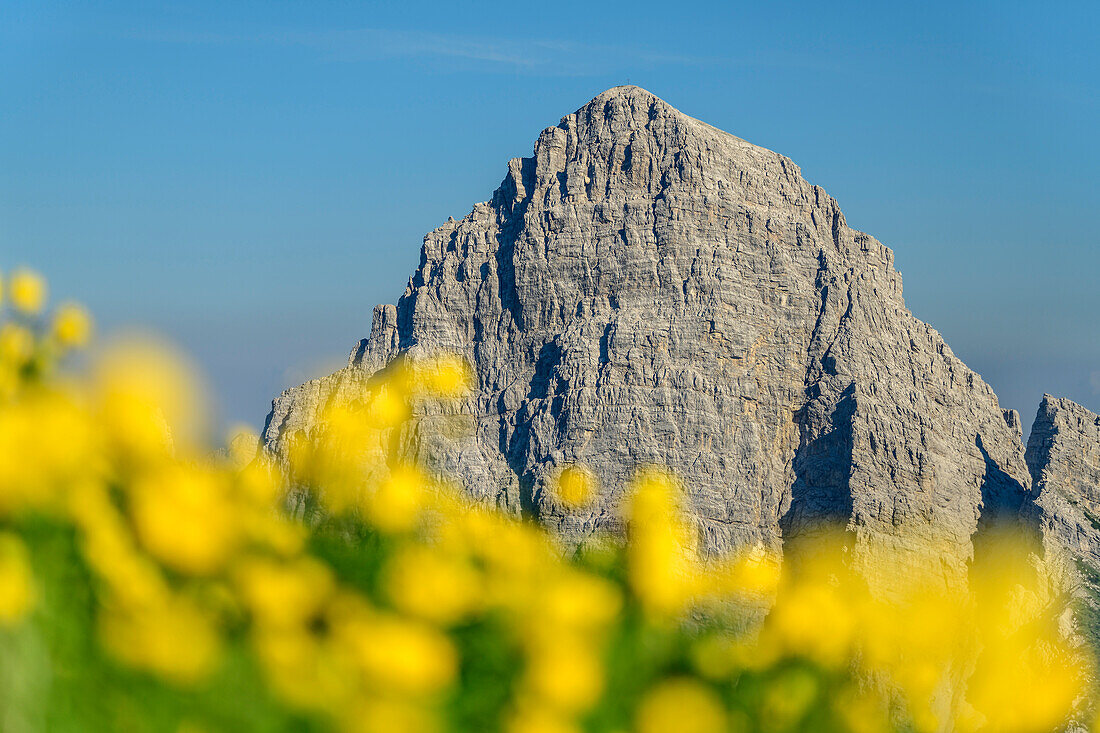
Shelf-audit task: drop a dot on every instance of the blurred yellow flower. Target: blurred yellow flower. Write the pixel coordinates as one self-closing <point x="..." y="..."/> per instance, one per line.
<point x="284" y="594"/>
<point x="434" y="585"/>
<point x="388" y="407"/>
<point x="682" y="705"/>
<point x="396" y="502"/>
<point x="16" y="344"/>
<point x="662" y="557"/>
<point x="188" y="552"/>
<point x="9" y="381"/>
<point x="753" y="572"/>
<point x="149" y="399"/>
<point x="566" y="672"/>
<point x="387" y="715"/>
<point x="133" y="579"/>
<point x="259" y="483"/>
<point x="183" y="515"/>
<point x="303" y="669"/>
<point x="813" y="619"/>
<point x="578" y="601"/>
<point x="175" y="639"/>
<point x="539" y="719"/>
<point x="576" y="486"/>
<point x="1026" y="683"/>
<point x="17" y="594"/>
<point x="861" y="710"/>
<point x="27" y="291"/>
<point x="32" y="469"/>
<point x="72" y="326"/>
<point x="397" y="654"/>
<point x="446" y="375"/>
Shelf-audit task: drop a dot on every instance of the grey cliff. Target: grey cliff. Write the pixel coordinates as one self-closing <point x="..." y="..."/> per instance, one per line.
<point x="647" y="289"/>
<point x="1063" y="455"/>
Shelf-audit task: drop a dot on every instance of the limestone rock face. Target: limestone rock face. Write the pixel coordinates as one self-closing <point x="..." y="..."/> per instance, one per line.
<point x="1063" y="455"/>
<point x="647" y="289"/>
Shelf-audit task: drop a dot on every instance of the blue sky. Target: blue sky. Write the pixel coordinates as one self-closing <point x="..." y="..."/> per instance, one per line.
<point x="251" y="178"/>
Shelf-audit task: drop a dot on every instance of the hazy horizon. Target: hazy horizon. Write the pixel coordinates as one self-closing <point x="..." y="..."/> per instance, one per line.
<point x="251" y="180"/>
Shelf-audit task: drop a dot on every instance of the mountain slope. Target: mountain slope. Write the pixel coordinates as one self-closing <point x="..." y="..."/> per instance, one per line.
<point x="648" y="289"/>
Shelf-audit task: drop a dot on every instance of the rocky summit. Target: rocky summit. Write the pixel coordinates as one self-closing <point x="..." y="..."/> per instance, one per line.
<point x="1063" y="454"/>
<point x="647" y="289"/>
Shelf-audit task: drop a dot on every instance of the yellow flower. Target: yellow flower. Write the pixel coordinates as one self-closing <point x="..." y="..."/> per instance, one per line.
<point x="682" y="705"/>
<point x="437" y="586"/>
<point x="396" y="502"/>
<point x="661" y="554"/>
<point x="387" y="715"/>
<point x="282" y="595"/>
<point x="861" y="710"/>
<point x="518" y="556"/>
<point x="175" y="639"/>
<point x="575" y="486"/>
<point x="17" y="593"/>
<point x="10" y="381"/>
<point x="447" y="375"/>
<point x="107" y="545"/>
<point x="399" y="655"/>
<point x="813" y="619"/>
<point x="538" y="719"/>
<point x="27" y="291"/>
<point x="565" y="672"/>
<point x="259" y="484"/>
<point x="150" y="400"/>
<point x="33" y="469"/>
<point x="578" y="601"/>
<point x="16" y="344"/>
<point x="388" y="407"/>
<point x="184" y="517"/>
<point x="1026" y="682"/>
<point x="751" y="574"/>
<point x="72" y="326"/>
<point x="302" y="669"/>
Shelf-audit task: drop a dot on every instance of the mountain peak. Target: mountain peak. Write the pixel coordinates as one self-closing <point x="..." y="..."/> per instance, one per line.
<point x="647" y="289"/>
<point x="637" y="104"/>
<point x="626" y="91"/>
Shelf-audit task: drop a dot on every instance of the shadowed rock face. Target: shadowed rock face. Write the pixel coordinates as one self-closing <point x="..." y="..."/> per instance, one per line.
<point x="1063" y="455"/>
<point x="648" y="289"/>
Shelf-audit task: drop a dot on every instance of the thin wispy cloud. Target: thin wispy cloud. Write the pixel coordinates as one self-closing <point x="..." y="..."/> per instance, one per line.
<point x="513" y="55"/>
